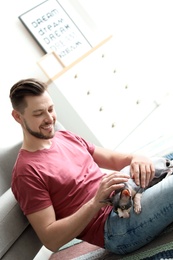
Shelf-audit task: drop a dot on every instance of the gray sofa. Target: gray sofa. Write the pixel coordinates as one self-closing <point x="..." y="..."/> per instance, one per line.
<point x="17" y="238"/>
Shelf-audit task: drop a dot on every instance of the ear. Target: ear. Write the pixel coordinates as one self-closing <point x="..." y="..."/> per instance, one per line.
<point x="16" y="115"/>
<point x="126" y="193"/>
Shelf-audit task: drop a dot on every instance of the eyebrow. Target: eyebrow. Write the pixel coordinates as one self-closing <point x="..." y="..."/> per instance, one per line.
<point x="40" y="109"/>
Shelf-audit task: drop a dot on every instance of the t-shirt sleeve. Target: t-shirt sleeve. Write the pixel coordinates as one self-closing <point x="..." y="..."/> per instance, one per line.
<point x="74" y="137"/>
<point x="31" y="193"/>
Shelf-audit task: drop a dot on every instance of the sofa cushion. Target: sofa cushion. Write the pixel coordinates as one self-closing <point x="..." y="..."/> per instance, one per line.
<point x="25" y="247"/>
<point x="8" y="157"/>
<point x="12" y="221"/>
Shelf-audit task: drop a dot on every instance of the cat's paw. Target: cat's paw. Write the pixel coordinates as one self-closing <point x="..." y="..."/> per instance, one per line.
<point x="137" y="203"/>
<point x="137" y="209"/>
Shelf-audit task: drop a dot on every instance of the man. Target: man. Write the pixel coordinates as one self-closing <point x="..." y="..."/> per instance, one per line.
<point x="59" y="185"/>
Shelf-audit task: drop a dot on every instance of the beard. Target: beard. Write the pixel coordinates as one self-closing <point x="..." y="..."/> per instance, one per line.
<point x="39" y="134"/>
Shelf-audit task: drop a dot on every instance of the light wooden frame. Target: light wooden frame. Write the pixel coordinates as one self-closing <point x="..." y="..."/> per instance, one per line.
<point x="51" y="64"/>
<point x="53" y="67"/>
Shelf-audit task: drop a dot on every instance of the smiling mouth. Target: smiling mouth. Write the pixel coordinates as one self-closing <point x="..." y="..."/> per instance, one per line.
<point x="47" y="127"/>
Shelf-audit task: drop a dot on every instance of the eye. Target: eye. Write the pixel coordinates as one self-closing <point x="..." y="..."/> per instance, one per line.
<point x="51" y="109"/>
<point x="167" y="163"/>
<point x="37" y="115"/>
<point x="123" y="207"/>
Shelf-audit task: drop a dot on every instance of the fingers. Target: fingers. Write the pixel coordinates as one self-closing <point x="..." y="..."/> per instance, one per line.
<point x="143" y="174"/>
<point x="116" y="178"/>
<point x="114" y="181"/>
<point x="109" y="183"/>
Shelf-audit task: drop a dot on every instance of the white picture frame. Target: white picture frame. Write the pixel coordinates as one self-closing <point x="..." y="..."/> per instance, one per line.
<point x="55" y="31"/>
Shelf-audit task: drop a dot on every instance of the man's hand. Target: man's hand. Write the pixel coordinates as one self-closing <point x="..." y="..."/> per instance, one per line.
<point x="109" y="183"/>
<point x="142" y="170"/>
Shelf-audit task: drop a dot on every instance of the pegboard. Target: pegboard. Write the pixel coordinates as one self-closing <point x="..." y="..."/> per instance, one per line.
<point x="93" y="98"/>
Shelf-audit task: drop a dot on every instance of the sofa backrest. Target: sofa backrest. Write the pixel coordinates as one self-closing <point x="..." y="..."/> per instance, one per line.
<point x="7" y="160"/>
<point x="17" y="238"/>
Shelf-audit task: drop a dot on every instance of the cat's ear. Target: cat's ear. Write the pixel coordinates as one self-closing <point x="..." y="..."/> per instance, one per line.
<point x="126" y="193"/>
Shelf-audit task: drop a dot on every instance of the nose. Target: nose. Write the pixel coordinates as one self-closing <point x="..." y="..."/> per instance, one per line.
<point x="49" y="118"/>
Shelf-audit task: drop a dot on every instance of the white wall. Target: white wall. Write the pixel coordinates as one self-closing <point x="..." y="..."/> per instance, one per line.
<point x="143" y="46"/>
<point x="19" y="54"/>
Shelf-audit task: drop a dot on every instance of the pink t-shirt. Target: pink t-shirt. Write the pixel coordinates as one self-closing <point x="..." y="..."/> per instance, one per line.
<point x="64" y="176"/>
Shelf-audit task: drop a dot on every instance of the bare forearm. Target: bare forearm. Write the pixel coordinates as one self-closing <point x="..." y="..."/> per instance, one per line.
<point x="111" y="160"/>
<point x="55" y="233"/>
<point x="64" y="230"/>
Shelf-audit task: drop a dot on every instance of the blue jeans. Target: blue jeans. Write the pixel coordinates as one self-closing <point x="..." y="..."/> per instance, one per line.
<point x="124" y="235"/>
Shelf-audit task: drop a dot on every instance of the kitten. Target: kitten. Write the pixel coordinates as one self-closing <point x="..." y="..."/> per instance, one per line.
<point x="122" y="200"/>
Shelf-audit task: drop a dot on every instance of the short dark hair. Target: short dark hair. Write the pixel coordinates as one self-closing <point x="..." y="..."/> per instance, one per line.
<point x="23" y="88"/>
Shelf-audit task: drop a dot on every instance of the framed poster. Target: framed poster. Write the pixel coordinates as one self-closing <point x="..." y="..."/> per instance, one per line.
<point x="55" y="31"/>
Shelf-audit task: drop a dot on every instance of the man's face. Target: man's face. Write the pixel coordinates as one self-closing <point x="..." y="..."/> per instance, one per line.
<point x="39" y="117"/>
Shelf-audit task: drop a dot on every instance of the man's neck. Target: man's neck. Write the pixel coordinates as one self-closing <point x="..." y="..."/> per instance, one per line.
<point x="37" y="144"/>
